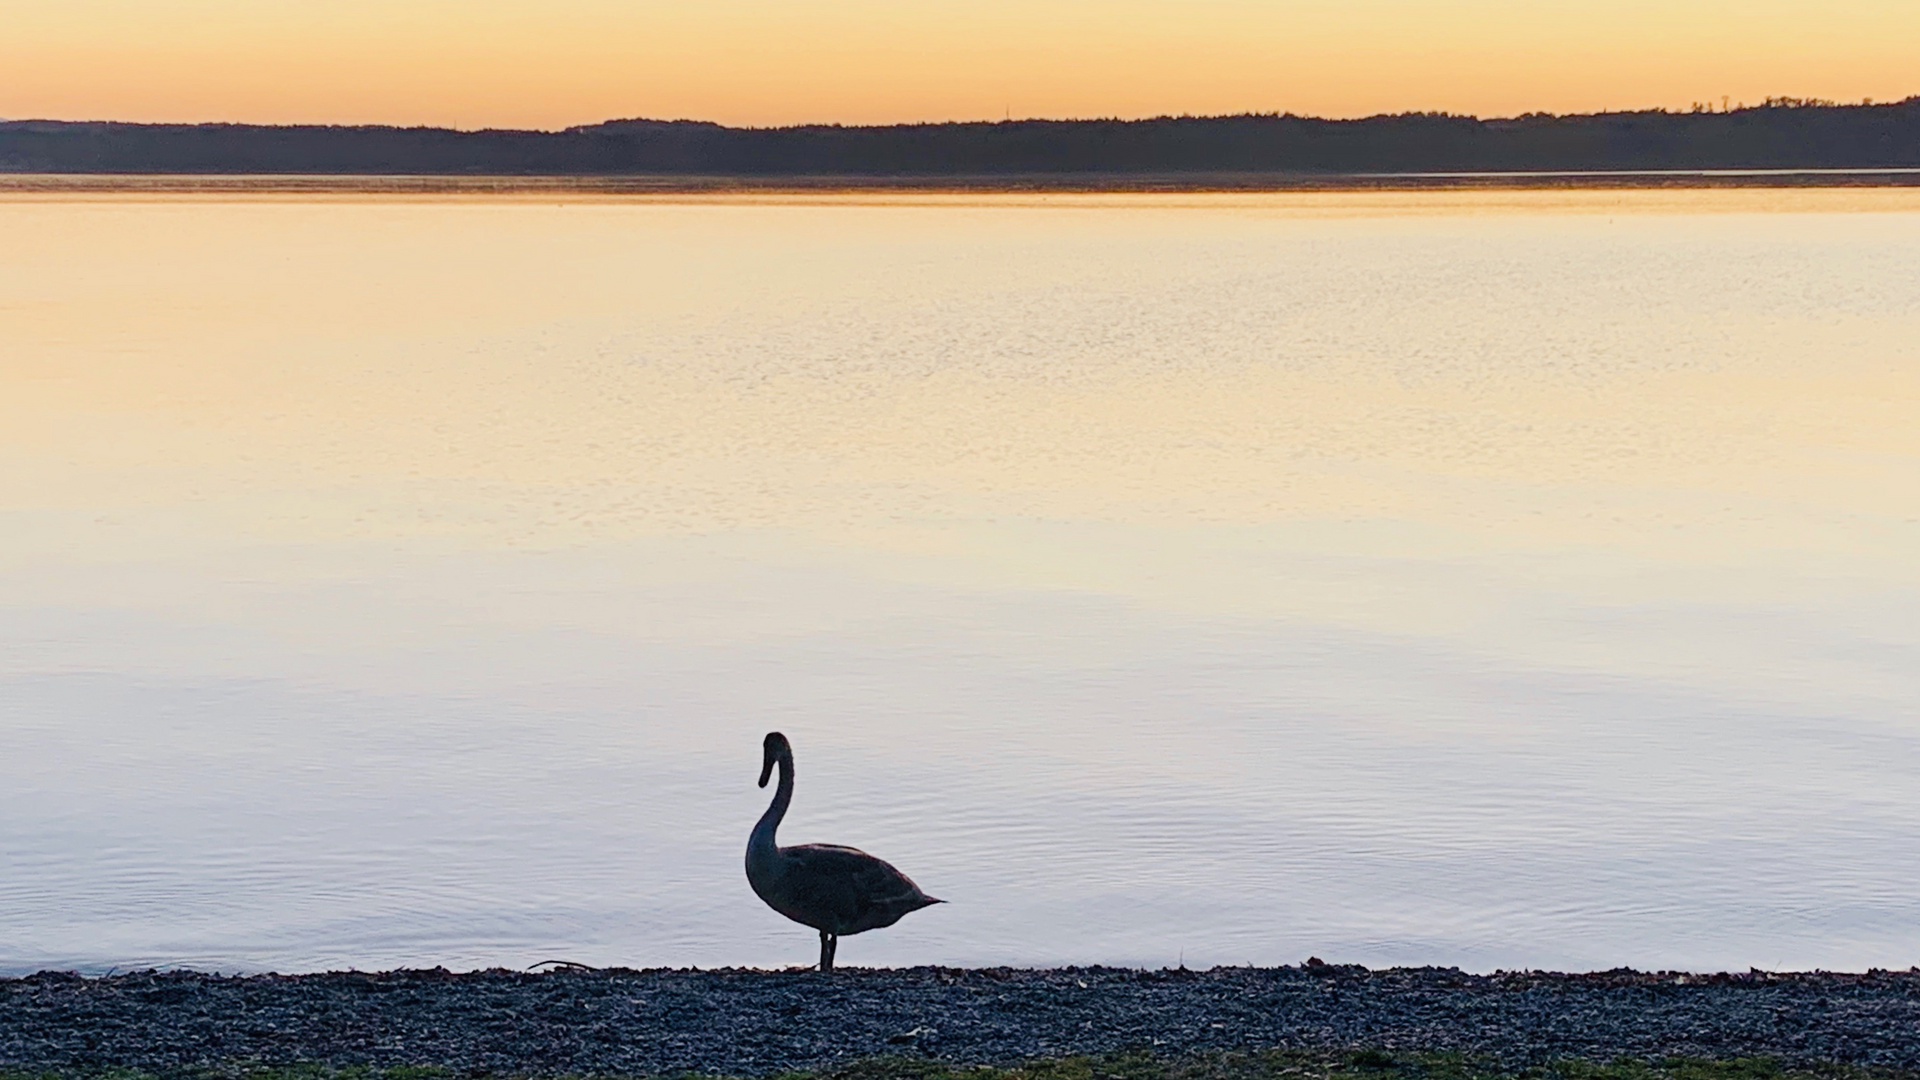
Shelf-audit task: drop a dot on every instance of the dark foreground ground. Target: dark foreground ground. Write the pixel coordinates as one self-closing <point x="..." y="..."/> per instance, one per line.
<point x="646" y="1023"/>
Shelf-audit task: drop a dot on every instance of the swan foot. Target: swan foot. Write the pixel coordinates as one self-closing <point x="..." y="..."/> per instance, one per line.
<point x="828" y="943"/>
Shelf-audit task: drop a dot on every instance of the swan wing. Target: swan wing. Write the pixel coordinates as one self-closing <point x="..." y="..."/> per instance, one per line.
<point x="847" y="890"/>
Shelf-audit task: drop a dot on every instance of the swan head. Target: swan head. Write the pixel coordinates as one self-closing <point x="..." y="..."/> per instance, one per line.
<point x="774" y="748"/>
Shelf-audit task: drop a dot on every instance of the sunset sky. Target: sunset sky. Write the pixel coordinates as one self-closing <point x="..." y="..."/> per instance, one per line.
<point x="494" y="63"/>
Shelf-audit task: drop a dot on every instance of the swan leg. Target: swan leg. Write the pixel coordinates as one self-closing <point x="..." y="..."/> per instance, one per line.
<point x="828" y="943"/>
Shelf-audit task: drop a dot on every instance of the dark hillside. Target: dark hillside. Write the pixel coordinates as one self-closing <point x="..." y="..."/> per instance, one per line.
<point x="1778" y="135"/>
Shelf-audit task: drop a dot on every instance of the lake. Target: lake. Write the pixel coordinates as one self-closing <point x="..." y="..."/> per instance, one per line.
<point x="1498" y="579"/>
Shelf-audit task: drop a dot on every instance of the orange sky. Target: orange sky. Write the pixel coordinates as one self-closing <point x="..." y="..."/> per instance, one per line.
<point x="477" y="63"/>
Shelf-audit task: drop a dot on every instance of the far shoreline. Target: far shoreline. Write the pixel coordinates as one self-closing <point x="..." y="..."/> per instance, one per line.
<point x="30" y="184"/>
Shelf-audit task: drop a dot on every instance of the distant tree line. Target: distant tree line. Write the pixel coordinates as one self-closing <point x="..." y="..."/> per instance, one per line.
<point x="1781" y="133"/>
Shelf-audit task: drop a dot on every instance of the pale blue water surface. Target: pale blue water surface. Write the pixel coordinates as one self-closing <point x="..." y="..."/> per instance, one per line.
<point x="1490" y="579"/>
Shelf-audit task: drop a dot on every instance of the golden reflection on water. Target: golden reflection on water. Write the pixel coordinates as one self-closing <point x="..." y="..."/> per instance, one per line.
<point x="867" y="369"/>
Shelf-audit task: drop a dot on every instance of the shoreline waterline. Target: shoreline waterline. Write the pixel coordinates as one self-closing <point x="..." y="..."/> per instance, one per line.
<point x="226" y="185"/>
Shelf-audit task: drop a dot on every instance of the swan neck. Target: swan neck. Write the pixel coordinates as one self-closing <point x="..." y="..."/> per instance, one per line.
<point x="777" y="809"/>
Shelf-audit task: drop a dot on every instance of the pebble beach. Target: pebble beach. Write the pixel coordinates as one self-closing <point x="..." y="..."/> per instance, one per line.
<point x="750" y="1022"/>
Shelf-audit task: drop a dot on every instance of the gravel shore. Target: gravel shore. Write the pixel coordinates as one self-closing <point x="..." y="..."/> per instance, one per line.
<point x="742" y="1022"/>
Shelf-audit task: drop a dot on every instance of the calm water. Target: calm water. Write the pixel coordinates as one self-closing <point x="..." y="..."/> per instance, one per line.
<point x="1510" y="579"/>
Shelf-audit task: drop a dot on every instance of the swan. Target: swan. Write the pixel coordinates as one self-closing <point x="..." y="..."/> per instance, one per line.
<point x="836" y="890"/>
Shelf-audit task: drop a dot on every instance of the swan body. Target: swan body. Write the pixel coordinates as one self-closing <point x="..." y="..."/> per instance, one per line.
<point x="836" y="890"/>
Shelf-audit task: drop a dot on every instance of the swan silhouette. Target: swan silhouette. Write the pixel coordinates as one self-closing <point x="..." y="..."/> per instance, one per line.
<point x="836" y="890"/>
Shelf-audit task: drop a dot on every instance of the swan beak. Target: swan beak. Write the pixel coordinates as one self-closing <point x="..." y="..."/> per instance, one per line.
<point x="766" y="770"/>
